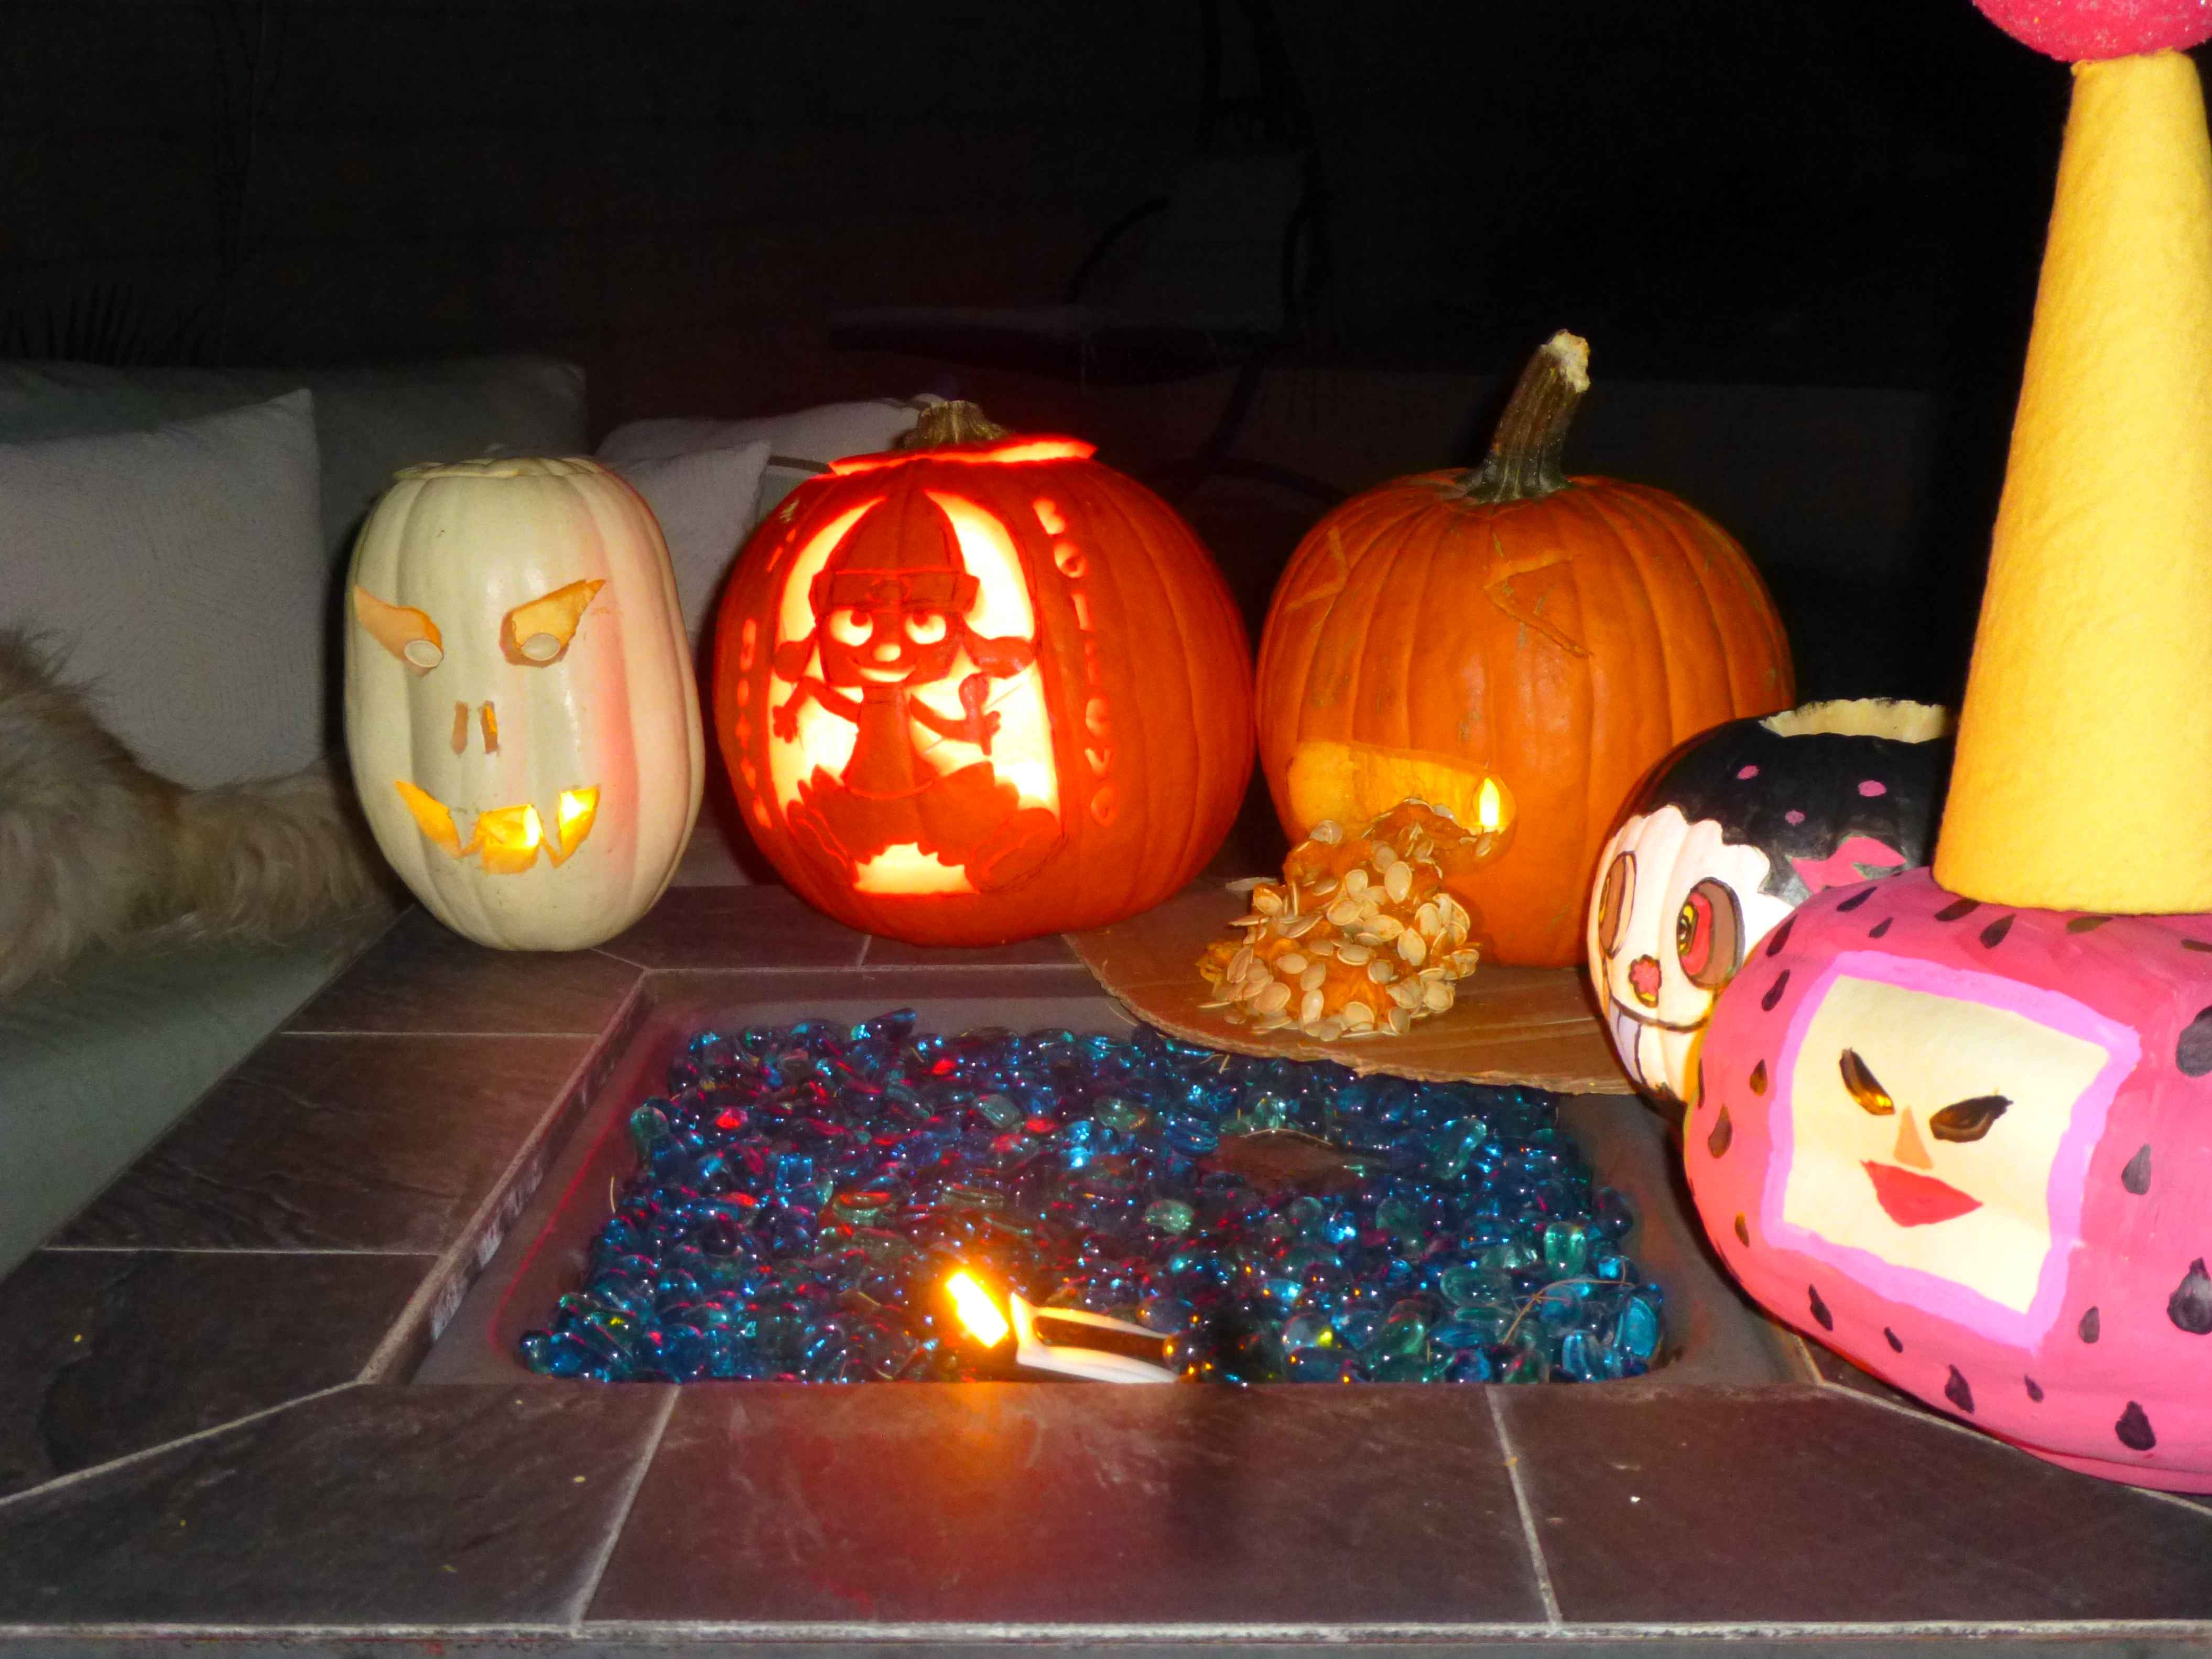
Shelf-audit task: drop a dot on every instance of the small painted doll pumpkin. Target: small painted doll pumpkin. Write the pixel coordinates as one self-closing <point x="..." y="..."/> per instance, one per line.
<point x="1963" y="1145"/>
<point x="1734" y="830"/>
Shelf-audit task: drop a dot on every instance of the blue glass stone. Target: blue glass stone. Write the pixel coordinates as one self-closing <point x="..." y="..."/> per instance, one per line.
<point x="1170" y="1215"/>
<point x="1189" y="1133"/>
<point x="1566" y="1247"/>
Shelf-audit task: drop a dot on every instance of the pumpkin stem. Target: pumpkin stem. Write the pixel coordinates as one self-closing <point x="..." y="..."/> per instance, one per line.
<point x="1524" y="463"/>
<point x="952" y="422"/>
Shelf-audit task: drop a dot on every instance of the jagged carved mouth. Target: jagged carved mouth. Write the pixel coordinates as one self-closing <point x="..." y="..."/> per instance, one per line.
<point x="507" y="839"/>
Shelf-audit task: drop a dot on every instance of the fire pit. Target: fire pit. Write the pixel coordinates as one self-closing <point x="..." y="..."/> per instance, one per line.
<point x="787" y="1193"/>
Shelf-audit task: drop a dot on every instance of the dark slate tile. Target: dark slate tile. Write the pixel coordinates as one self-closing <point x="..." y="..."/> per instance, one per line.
<point x="396" y="1505"/>
<point x="736" y="927"/>
<point x="339" y="1143"/>
<point x="1806" y="1504"/>
<point x="103" y="1353"/>
<point x="1050" y="952"/>
<point x="1025" y="1503"/>
<point x="422" y="977"/>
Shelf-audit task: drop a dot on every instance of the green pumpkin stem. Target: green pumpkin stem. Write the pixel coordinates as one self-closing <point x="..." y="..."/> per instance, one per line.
<point x="1524" y="463"/>
<point x="952" y="423"/>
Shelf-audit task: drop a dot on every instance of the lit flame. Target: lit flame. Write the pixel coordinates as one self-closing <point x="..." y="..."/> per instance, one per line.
<point x="977" y="1311"/>
<point x="1489" y="807"/>
<point x="574" y="818"/>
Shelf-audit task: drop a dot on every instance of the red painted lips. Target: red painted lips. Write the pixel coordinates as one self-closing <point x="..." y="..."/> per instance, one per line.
<point x="1916" y="1201"/>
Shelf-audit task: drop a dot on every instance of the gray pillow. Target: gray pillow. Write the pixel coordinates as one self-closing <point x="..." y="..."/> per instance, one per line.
<point x="184" y="573"/>
<point x="800" y="444"/>
<point x="371" y="422"/>
<point x="705" y="503"/>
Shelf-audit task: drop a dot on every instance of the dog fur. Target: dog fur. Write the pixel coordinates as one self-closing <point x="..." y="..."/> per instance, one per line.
<point x="97" y="851"/>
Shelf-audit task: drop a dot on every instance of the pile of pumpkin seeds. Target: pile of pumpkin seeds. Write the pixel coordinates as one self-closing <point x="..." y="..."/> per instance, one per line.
<point x="1359" y="940"/>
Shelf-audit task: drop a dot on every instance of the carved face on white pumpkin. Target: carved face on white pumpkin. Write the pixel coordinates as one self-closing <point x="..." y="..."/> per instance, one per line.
<point x="519" y="707"/>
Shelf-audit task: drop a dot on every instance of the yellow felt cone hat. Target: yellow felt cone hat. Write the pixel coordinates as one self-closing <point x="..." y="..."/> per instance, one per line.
<point x="2084" y="772"/>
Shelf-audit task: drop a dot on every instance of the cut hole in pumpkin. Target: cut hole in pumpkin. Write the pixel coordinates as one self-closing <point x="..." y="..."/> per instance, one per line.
<point x="1865" y="717"/>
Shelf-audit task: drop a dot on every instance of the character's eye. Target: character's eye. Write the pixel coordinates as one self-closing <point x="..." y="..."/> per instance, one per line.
<point x="1709" y="935"/>
<point x="537" y="634"/>
<point x="1864" y="1087"/>
<point x="1614" y="900"/>
<point x="1968" y="1120"/>
<point x="406" y="633"/>
<point x="849" y="625"/>
<point x="925" y="627"/>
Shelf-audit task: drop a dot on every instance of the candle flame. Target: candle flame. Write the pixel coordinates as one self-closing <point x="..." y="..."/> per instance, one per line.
<point x="1489" y="807"/>
<point x="977" y="1311"/>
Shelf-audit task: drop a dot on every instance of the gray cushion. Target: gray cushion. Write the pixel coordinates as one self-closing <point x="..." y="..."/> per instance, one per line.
<point x="372" y="421"/>
<point x="706" y="503"/>
<point x="182" y="572"/>
<point x="800" y="444"/>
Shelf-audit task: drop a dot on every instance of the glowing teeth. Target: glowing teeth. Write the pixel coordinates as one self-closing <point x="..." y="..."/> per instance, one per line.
<point x="507" y="839"/>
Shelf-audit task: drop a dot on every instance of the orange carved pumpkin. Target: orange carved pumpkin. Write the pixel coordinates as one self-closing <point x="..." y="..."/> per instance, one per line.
<point x="1512" y="626"/>
<point x="981" y="689"/>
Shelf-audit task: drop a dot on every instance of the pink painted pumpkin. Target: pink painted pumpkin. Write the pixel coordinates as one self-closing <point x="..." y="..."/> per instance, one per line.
<point x="1965" y="1146"/>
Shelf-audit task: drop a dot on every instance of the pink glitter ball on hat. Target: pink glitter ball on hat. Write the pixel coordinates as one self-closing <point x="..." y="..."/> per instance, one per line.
<point x="2078" y="31"/>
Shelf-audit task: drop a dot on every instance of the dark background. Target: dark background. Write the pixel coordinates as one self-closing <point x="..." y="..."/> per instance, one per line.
<point x="678" y="194"/>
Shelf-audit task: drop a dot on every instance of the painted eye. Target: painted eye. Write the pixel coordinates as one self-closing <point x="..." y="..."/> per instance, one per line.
<point x="1968" y="1120"/>
<point x="1614" y="900"/>
<point x="850" y="626"/>
<point x="1709" y="935"/>
<point x="1860" y="1080"/>
<point x="925" y="627"/>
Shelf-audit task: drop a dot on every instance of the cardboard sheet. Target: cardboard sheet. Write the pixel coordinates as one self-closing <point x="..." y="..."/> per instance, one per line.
<point x="1530" y="1025"/>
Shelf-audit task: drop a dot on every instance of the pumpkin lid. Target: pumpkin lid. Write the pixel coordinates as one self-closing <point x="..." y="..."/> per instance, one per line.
<point x="2084" y="772"/>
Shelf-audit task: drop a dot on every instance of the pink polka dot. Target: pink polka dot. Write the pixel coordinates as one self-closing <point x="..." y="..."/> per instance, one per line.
<point x="1872" y="787"/>
<point x="1748" y="772"/>
<point x="1793" y="817"/>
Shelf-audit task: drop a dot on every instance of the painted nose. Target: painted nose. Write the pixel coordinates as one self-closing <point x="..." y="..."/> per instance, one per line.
<point x="1911" y="1151"/>
<point x="1643" y="980"/>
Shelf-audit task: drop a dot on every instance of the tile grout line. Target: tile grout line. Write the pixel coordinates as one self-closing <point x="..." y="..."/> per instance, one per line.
<point x="620" y="1520"/>
<point x="1527" y="1515"/>
<point x="867" y="943"/>
<point x="91" y="1471"/>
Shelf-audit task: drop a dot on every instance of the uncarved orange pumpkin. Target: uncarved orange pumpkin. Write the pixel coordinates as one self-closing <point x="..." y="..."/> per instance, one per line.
<point x="1556" y="635"/>
<point x="981" y="689"/>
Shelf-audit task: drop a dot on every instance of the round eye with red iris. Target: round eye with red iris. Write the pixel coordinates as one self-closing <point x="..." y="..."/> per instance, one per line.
<point x="1709" y="935"/>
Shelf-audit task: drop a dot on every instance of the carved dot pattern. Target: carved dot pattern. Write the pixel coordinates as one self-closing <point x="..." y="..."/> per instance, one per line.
<point x="1959" y="1393"/>
<point x="1819" y="1309"/>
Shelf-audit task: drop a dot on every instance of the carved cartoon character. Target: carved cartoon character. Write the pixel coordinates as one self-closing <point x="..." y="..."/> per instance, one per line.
<point x="891" y="620"/>
<point x="1734" y="830"/>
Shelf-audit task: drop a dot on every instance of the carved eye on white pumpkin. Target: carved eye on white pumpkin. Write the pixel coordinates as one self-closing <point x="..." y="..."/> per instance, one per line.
<point x="406" y="633"/>
<point x="537" y="634"/>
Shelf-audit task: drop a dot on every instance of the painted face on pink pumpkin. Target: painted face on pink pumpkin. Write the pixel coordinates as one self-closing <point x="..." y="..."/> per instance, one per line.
<point x="1940" y="1121"/>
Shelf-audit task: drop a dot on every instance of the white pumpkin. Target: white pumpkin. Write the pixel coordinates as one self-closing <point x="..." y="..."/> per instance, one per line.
<point x="521" y="709"/>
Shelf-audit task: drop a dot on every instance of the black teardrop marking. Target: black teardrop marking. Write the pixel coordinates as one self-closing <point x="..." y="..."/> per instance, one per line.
<point x="1855" y="901"/>
<point x="2134" y="1429"/>
<point x="1896" y="1344"/>
<point x="2089" y="1326"/>
<point x="1820" y="1309"/>
<point x="1958" y="1393"/>
<point x="2034" y="1389"/>
<point x="1742" y="1232"/>
<point x="1780" y="936"/>
<point x="1717" y="1143"/>
<point x="1880" y="927"/>
<point x="2087" y="924"/>
<point x="2197" y="945"/>
<point x="1994" y="934"/>
<point x="2136" y="1176"/>
<point x="2190" y="1307"/>
<point x="2193" y="1052"/>
<point x="1774" y="991"/>
<point x="1952" y="912"/>
<point x="1758" y="1079"/>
